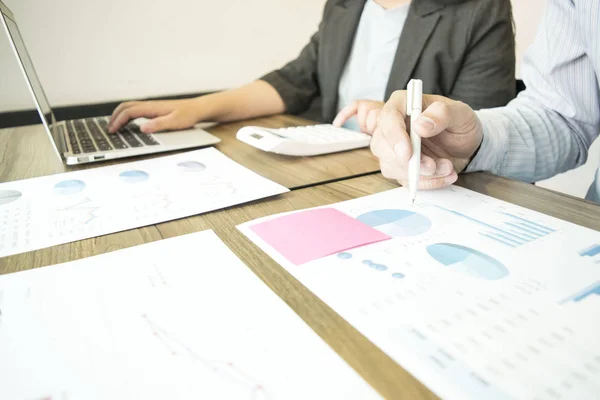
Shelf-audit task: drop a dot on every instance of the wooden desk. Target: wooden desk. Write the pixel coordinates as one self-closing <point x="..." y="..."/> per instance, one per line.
<point x="27" y="153"/>
<point x="376" y="367"/>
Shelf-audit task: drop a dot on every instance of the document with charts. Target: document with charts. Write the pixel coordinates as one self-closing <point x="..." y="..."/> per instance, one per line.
<point x="476" y="297"/>
<point x="181" y="318"/>
<point x="50" y="210"/>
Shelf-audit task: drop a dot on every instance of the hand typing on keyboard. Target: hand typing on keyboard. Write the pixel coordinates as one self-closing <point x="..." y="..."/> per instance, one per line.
<point x="167" y="115"/>
<point x="366" y="112"/>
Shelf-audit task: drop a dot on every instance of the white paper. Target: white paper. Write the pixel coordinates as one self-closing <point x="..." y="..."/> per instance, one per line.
<point x="56" y="209"/>
<point x="181" y="318"/>
<point x="519" y="317"/>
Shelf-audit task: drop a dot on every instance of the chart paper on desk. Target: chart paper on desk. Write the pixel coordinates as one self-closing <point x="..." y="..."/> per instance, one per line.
<point x="56" y="209"/>
<point x="477" y="298"/>
<point x="181" y="318"/>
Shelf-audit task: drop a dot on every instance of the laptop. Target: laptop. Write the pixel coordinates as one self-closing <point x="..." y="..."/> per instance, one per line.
<point x="87" y="140"/>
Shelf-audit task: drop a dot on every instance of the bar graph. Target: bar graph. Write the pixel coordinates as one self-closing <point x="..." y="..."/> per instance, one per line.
<point x="591" y="290"/>
<point x="591" y="251"/>
<point x="515" y="231"/>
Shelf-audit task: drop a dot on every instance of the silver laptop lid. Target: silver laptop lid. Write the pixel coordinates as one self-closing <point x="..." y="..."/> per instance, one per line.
<point x="33" y="82"/>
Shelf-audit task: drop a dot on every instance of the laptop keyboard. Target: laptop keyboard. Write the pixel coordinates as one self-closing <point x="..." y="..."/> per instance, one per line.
<point x="91" y="135"/>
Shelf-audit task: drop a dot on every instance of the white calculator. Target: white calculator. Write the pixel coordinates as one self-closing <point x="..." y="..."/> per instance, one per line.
<point x="309" y="140"/>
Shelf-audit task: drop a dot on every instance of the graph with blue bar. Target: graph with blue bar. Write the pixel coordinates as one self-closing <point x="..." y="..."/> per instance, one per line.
<point x="515" y="231"/>
<point x="591" y="251"/>
<point x="585" y="293"/>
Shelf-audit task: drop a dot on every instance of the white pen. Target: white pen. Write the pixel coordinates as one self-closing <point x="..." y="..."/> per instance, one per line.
<point x="414" y="106"/>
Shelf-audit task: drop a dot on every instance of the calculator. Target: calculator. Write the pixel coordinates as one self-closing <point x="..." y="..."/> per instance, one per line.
<point x="309" y="140"/>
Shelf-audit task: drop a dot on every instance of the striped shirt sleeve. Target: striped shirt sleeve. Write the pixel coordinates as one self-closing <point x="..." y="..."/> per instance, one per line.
<point x="549" y="127"/>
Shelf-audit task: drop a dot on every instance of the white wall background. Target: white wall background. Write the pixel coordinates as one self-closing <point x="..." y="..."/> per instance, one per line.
<point x="97" y="51"/>
<point x="527" y="14"/>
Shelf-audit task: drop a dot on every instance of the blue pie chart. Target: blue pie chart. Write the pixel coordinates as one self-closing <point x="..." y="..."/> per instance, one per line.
<point x="396" y="223"/>
<point x="192" y="166"/>
<point x="71" y="186"/>
<point x="134" y="176"/>
<point x="468" y="261"/>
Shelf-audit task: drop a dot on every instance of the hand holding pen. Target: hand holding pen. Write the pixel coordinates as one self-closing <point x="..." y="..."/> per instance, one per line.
<point x="449" y="131"/>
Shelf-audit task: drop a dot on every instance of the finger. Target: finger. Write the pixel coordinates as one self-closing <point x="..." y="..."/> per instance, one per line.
<point x="120" y="109"/>
<point x="392" y="171"/>
<point x="361" y="117"/>
<point x="439" y="168"/>
<point x="372" y="119"/>
<point x="381" y="149"/>
<point x="428" y="183"/>
<point x="347" y="112"/>
<point x="443" y="114"/>
<point x="444" y="167"/>
<point x="139" y="110"/>
<point x="428" y="166"/>
<point x="158" y="124"/>
<point x="393" y="126"/>
<point x="435" y="168"/>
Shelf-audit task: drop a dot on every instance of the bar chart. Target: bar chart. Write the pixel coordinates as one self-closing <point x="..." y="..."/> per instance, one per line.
<point x="591" y="290"/>
<point x="514" y="231"/>
<point x="591" y="251"/>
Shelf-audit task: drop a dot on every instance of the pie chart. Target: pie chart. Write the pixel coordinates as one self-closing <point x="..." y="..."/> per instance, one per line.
<point x="192" y="166"/>
<point x="396" y="223"/>
<point x="134" y="176"/>
<point x="8" y="196"/>
<point x="468" y="261"/>
<point x="67" y="187"/>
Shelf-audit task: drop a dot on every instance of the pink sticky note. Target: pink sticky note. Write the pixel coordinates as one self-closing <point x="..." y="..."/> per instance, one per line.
<point x="307" y="235"/>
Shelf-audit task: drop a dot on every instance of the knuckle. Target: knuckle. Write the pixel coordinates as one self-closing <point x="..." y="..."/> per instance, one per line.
<point x="386" y="171"/>
<point x="390" y="171"/>
<point x="396" y="94"/>
<point x="373" y="148"/>
<point x="129" y="103"/>
<point x="125" y="114"/>
<point x="375" y="144"/>
<point x="442" y="107"/>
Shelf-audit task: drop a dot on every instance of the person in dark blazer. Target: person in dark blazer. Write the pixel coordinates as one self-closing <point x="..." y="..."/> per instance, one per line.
<point x="362" y="52"/>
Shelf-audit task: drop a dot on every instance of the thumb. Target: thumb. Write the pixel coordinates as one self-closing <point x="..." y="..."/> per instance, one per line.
<point x="158" y="124"/>
<point x="443" y="114"/>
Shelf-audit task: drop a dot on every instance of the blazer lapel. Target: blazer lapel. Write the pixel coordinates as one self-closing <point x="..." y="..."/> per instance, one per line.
<point x="420" y="23"/>
<point x="336" y="43"/>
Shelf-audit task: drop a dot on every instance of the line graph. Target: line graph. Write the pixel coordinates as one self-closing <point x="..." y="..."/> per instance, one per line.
<point x="226" y="369"/>
<point x="516" y="231"/>
<point x="88" y="212"/>
<point x="215" y="186"/>
<point x="151" y="202"/>
<point x="156" y="277"/>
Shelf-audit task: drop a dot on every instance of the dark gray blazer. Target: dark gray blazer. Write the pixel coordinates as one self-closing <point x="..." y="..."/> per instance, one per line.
<point x="462" y="49"/>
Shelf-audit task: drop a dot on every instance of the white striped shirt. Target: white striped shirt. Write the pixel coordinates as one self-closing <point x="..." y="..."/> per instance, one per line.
<point x="549" y="127"/>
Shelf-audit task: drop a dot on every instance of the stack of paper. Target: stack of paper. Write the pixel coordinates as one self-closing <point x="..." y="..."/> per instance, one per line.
<point x="181" y="318"/>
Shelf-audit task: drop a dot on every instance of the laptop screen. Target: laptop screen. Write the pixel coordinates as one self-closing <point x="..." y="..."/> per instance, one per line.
<point x="36" y="87"/>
